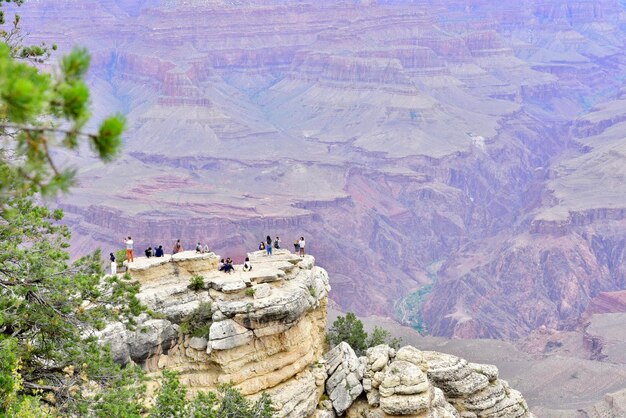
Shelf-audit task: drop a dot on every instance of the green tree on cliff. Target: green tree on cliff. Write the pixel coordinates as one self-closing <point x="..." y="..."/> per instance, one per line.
<point x="40" y="112"/>
<point x="350" y="329"/>
<point x="49" y="308"/>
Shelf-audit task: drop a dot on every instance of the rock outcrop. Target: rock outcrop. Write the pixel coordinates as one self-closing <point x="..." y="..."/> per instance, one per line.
<point x="265" y="327"/>
<point x="264" y="331"/>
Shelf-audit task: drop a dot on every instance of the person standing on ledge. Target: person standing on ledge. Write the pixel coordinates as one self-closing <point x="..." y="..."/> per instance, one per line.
<point x="268" y="246"/>
<point x="277" y="243"/>
<point x="129" y="250"/>
<point x="301" y="244"/>
<point x="113" y="264"/>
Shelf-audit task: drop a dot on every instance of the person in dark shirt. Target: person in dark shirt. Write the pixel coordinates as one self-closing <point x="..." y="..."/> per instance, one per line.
<point x="159" y="251"/>
<point x="268" y="246"/>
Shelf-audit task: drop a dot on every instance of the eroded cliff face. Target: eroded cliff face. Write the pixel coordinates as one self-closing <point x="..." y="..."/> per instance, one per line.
<point x="264" y="331"/>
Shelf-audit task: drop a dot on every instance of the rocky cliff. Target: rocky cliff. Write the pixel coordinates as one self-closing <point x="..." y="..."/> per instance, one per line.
<point x="264" y="331"/>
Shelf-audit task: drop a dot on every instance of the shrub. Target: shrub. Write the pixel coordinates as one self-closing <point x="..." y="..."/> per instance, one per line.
<point x="250" y="291"/>
<point x="196" y="283"/>
<point x="198" y="322"/>
<point x="228" y="402"/>
<point x="350" y="329"/>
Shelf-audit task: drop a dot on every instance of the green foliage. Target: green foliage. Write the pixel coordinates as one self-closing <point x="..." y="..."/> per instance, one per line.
<point x="227" y="403"/>
<point x="39" y="112"/>
<point x="350" y="329"/>
<point x="196" y="283"/>
<point x="312" y="291"/>
<point x="250" y="291"/>
<point x="170" y="401"/>
<point x="120" y="257"/>
<point x="198" y="322"/>
<point x="49" y="308"/>
<point x="382" y="336"/>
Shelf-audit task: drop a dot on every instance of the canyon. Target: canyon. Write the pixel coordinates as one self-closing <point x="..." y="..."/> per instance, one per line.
<point x="458" y="165"/>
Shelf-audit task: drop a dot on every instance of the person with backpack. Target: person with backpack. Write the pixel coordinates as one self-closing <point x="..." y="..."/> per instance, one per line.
<point x="113" y="264"/>
<point x="247" y="266"/>
<point x="268" y="246"/>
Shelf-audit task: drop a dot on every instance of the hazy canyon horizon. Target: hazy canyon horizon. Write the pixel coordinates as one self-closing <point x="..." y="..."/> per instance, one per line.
<point x="457" y="166"/>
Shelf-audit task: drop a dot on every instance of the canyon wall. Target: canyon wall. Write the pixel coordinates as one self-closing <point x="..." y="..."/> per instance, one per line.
<point x="459" y="165"/>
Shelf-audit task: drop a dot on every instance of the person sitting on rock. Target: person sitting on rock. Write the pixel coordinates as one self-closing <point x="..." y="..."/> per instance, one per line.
<point x="229" y="266"/>
<point x="268" y="246"/>
<point x="148" y="252"/>
<point x="277" y="243"/>
<point x="178" y="247"/>
<point x="159" y="251"/>
<point x="221" y="265"/>
<point x="247" y="266"/>
<point x="199" y="248"/>
<point x="262" y="246"/>
<point x="205" y="249"/>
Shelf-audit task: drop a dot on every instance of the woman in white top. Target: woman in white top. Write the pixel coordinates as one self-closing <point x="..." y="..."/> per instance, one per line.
<point x="129" y="250"/>
<point x="302" y="243"/>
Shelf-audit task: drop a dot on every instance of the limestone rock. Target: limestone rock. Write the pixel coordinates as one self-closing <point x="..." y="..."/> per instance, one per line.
<point x="228" y="334"/>
<point x="344" y="376"/>
<point x="198" y="343"/>
<point x="262" y="290"/>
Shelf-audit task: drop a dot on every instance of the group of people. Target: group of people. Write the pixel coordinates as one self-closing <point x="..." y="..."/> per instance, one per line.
<point x="149" y="252"/>
<point x="202" y="248"/>
<point x="268" y="244"/>
<point x="225" y="265"/>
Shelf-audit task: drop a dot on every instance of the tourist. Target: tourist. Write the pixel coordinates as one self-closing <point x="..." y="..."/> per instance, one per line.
<point x="221" y="265"/>
<point x="178" y="247"/>
<point x="301" y="244"/>
<point x="277" y="243"/>
<point x="199" y="248"/>
<point x="247" y="266"/>
<point x="296" y="246"/>
<point x="129" y="250"/>
<point x="229" y="266"/>
<point x="113" y="264"/>
<point x="262" y="246"/>
<point x="148" y="252"/>
<point x="206" y="248"/>
<point x="268" y="246"/>
<point x="159" y="251"/>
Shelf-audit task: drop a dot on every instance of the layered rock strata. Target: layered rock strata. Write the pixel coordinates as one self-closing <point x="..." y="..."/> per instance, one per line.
<point x="410" y="382"/>
<point x="263" y="331"/>
<point x="265" y="327"/>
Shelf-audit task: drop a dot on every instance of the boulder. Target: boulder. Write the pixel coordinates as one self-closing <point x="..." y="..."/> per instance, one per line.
<point x="228" y="334"/>
<point x="345" y="373"/>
